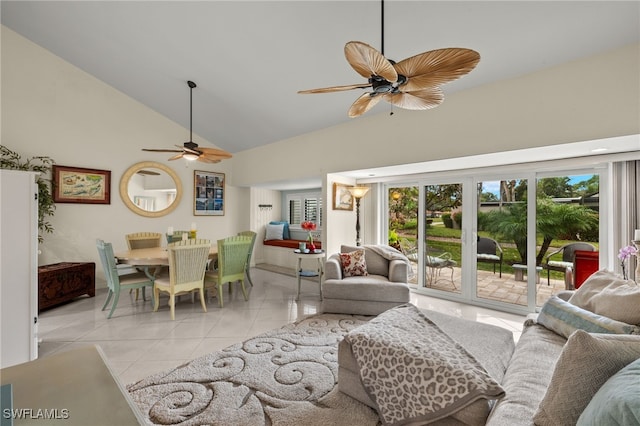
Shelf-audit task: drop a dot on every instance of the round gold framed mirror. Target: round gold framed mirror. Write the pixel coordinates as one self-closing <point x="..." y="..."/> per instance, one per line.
<point x="150" y="189"/>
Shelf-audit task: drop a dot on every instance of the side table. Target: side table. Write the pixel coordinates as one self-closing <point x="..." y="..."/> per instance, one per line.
<point x="519" y="270"/>
<point x="318" y="272"/>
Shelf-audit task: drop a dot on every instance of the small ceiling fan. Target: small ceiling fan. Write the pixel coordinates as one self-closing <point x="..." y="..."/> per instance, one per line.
<point x="190" y="150"/>
<point x="413" y="83"/>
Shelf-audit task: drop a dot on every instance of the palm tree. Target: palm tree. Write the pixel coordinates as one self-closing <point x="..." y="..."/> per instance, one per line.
<point x="553" y="220"/>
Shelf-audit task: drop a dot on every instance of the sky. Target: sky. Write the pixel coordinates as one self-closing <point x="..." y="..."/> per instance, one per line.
<point x="494" y="186"/>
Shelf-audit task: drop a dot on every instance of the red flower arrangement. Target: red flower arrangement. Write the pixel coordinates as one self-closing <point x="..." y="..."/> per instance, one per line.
<point x="309" y="226"/>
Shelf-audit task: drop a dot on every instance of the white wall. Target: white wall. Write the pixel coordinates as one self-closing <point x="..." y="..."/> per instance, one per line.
<point x="53" y="109"/>
<point x="340" y="225"/>
<point x="261" y="216"/>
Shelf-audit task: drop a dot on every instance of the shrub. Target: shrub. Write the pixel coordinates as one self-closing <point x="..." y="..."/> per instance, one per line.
<point x="457" y="219"/>
<point x="446" y="219"/>
<point x="394" y="239"/>
<point x="482" y="221"/>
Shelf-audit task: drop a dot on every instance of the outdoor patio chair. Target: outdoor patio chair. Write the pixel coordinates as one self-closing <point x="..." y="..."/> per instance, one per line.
<point x="435" y="261"/>
<point x="568" y="252"/>
<point x="410" y="249"/>
<point x="489" y="251"/>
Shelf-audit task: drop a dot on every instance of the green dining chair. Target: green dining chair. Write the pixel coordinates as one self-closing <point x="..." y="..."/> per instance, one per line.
<point x="232" y="264"/>
<point x="253" y="242"/>
<point x="115" y="282"/>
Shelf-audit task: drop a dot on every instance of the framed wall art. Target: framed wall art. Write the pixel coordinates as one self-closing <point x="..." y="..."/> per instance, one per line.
<point x="78" y="185"/>
<point x="342" y="199"/>
<point x="208" y="192"/>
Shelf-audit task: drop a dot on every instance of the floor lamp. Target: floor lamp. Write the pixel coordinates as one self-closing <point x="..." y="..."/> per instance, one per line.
<point x="358" y="192"/>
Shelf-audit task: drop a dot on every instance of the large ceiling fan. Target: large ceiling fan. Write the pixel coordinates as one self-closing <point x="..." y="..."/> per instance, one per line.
<point x="190" y="150"/>
<point x="413" y="83"/>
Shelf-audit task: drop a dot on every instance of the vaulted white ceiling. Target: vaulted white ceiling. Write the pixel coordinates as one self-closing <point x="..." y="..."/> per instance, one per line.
<point x="250" y="58"/>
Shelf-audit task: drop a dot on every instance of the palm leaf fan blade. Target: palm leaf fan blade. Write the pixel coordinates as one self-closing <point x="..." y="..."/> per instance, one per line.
<point x="436" y="67"/>
<point x="335" y="88"/>
<point x="363" y="104"/>
<point x="214" y="152"/>
<point x="204" y="158"/>
<point x="367" y="61"/>
<point x="417" y="100"/>
<point x="161" y="150"/>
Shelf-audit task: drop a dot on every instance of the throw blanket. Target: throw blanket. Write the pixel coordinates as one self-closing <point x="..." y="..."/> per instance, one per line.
<point x="413" y="371"/>
<point x="387" y="252"/>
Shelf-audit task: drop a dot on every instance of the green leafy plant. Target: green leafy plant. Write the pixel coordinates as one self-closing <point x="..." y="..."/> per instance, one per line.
<point x="394" y="239"/>
<point x="46" y="207"/>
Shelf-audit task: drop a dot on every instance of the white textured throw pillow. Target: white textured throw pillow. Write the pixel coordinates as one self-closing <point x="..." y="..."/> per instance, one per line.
<point x="274" y="232"/>
<point x="585" y="364"/>
<point x="607" y="294"/>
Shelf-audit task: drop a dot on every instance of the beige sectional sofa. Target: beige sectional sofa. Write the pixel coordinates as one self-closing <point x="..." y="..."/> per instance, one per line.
<point x="555" y="374"/>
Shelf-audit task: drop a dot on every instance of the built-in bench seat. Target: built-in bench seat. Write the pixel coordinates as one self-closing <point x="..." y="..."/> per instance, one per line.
<point x="292" y="244"/>
<point x="280" y="252"/>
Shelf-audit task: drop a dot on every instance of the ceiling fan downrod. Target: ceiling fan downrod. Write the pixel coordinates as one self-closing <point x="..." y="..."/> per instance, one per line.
<point x="191" y="86"/>
<point x="382" y="27"/>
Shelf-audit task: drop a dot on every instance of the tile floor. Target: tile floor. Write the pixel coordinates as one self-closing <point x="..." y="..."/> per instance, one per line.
<point x="139" y="342"/>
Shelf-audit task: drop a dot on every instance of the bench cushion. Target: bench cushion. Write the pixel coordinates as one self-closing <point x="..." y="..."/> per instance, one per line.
<point x="292" y="244"/>
<point x="370" y="287"/>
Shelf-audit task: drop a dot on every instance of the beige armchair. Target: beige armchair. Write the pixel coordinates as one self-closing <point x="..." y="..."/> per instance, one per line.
<point x="384" y="287"/>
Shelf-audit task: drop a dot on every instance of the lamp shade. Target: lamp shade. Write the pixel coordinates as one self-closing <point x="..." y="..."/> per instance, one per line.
<point x="358" y="191"/>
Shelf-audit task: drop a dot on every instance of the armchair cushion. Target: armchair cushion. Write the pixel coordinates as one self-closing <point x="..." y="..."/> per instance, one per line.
<point x="333" y="268"/>
<point x="353" y="264"/>
<point x="384" y="261"/>
<point x="486" y="256"/>
<point x="559" y="264"/>
<point x="376" y="264"/>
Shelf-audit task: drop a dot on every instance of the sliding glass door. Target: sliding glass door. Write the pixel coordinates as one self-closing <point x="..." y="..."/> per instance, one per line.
<point x="501" y="240"/>
<point x="442" y="228"/>
<point x="568" y="228"/>
<point x="403" y="224"/>
<point x="505" y="241"/>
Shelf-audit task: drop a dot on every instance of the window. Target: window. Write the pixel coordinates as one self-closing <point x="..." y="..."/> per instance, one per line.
<point x="304" y="206"/>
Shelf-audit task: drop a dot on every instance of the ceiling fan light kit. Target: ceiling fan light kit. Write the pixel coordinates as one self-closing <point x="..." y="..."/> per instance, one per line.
<point x="413" y="83"/>
<point x="190" y="150"/>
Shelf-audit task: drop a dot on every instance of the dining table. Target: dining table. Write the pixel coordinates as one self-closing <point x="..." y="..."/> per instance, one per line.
<point x="154" y="256"/>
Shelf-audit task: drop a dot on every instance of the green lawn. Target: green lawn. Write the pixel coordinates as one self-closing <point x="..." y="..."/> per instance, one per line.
<point x="510" y="254"/>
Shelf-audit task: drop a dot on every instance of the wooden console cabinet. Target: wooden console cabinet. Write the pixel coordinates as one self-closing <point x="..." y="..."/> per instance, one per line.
<point x="61" y="282"/>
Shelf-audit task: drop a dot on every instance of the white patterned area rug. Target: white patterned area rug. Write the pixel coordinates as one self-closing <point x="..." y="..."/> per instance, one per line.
<point x="285" y="376"/>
